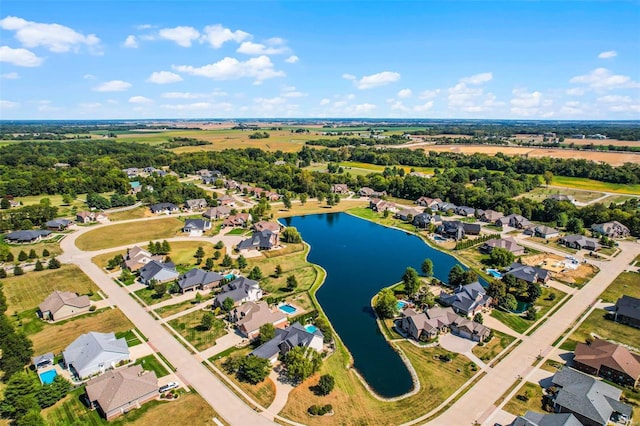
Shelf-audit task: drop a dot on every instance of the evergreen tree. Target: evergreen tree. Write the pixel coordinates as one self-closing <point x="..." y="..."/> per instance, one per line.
<point x="278" y="271"/>
<point x="39" y="266"/>
<point x="22" y="256"/>
<point x="199" y="253"/>
<point x="32" y="254"/>
<point x="411" y="281"/>
<point x="255" y="274"/>
<point x="9" y="257"/>
<point x="53" y="263"/>
<point x="427" y="267"/>
<point x="241" y="261"/>
<point x="166" y="248"/>
<point x="209" y="264"/>
<point x="292" y="283"/>
<point x="45" y="253"/>
<point x="17" y="270"/>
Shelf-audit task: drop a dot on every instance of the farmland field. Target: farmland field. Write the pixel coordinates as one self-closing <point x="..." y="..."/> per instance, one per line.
<point x="540" y="194"/>
<point x="128" y="233"/>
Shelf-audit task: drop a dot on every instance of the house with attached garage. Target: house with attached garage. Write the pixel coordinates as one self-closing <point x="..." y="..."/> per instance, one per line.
<point x="531" y="418"/>
<point x="423" y="220"/>
<point x="611" y="229"/>
<point x="250" y="316"/>
<point x="609" y="361"/>
<point x="240" y="290"/>
<point x="530" y="274"/>
<point x="287" y="339"/>
<point x="58" y="224"/>
<point x="196" y="227"/>
<point x="94" y="353"/>
<point x="63" y="304"/>
<point x="514" y="221"/>
<point x="259" y="240"/>
<point x="240" y="219"/>
<point x="561" y="197"/>
<point x="227" y="200"/>
<point x="340" y="188"/>
<point x="270" y="226"/>
<point x="489" y="216"/>
<point x="458" y="230"/>
<point x="507" y="243"/>
<point x="429" y="324"/>
<point x="88" y="217"/>
<point x="406" y="214"/>
<point x="217" y="212"/>
<point x="467" y="300"/>
<point x="195" y="204"/>
<point x="379" y="205"/>
<point x="428" y="202"/>
<point x="24" y="237"/>
<point x="159" y="272"/>
<point x="580" y="242"/>
<point x="137" y="257"/>
<point x="198" y="279"/>
<point x="465" y="211"/>
<point x="164" y="208"/>
<point x="368" y="192"/>
<point x="542" y="231"/>
<point x="627" y="311"/>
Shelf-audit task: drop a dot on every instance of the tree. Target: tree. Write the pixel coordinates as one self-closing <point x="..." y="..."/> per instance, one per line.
<point x="241" y="261"/>
<point x="53" y="263"/>
<point x="287" y="202"/>
<point x="478" y="318"/>
<point x="278" y="271"/>
<point x="227" y="304"/>
<point x="227" y="261"/>
<point x="219" y="245"/>
<point x="209" y="264"/>
<point x="501" y="258"/>
<point x="510" y="303"/>
<point x="291" y="235"/>
<point x="217" y="254"/>
<point x="207" y="321"/>
<point x="3" y="273"/>
<point x="562" y="219"/>
<point x="159" y="289"/>
<point x="17" y="270"/>
<point x="548" y="177"/>
<point x="22" y="256"/>
<point x="531" y="313"/>
<point x="302" y="362"/>
<point x="5" y="204"/>
<point x="199" y="253"/>
<point x="198" y="297"/>
<point x="497" y="290"/>
<point x="254" y="369"/>
<point x="427" y="267"/>
<point x="50" y="394"/>
<point x="39" y="266"/>
<point x="292" y="283"/>
<point x="45" y="253"/>
<point x="534" y="292"/>
<point x="336" y="199"/>
<point x="158" y="247"/>
<point x="255" y="274"/>
<point x="151" y="248"/>
<point x="31" y="418"/>
<point x="575" y="225"/>
<point x="325" y="385"/>
<point x="67" y="199"/>
<point x="166" y="248"/>
<point x="9" y="257"/>
<point x="456" y="276"/>
<point x="267" y="332"/>
<point x="303" y="198"/>
<point x="330" y="200"/>
<point x="32" y="254"/>
<point x="386" y="304"/>
<point x="20" y="385"/>
<point x="411" y="281"/>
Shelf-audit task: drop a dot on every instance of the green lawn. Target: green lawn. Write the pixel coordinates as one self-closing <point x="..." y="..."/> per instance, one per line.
<point x="135" y="213"/>
<point x="129" y="233"/>
<point x="491" y="349"/>
<point x="597" y="324"/>
<point x="167" y="311"/>
<point x="189" y="327"/>
<point x="513" y="321"/>
<point x="51" y="244"/>
<point x="627" y="283"/>
<point x="529" y="397"/>
<point x="544" y="302"/>
<point x="237" y="231"/>
<point x="149" y="296"/>
<point x="595" y="185"/>
<point x="151" y="363"/>
<point x="542" y="193"/>
<point x="130" y="337"/>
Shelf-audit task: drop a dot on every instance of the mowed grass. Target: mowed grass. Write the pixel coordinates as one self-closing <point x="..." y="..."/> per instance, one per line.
<point x="71" y="411"/>
<point x="315" y="207"/>
<point x="597" y="324"/>
<point x="136" y="213"/>
<point x="532" y="393"/>
<point x="595" y="185"/>
<point x="52" y="245"/>
<point x="55" y="337"/>
<point x="494" y="347"/>
<point x="128" y="233"/>
<point x="627" y="283"/>
<point x="29" y="290"/>
<point x="167" y="311"/>
<point x="513" y="321"/>
<point x="150" y="297"/>
<point x="151" y="363"/>
<point x="542" y="193"/>
<point x="354" y="405"/>
<point x="189" y="327"/>
<point x="56" y="201"/>
<point x="379" y="168"/>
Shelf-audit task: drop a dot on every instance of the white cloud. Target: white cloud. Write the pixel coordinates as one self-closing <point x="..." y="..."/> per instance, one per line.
<point x="377" y="80"/>
<point x="144" y="26"/>
<point x="131" y="42"/>
<point x="468" y="95"/>
<point x="325" y="101"/>
<point x="292" y="59"/>
<point x="89" y="77"/>
<point x="424" y="107"/>
<point x="164" y="77"/>
<point x="364" y="108"/>
<point x="140" y="100"/>
<point x="572" y="108"/>
<point x="478" y="78"/>
<point x="19" y="57"/>
<point x="632" y="108"/>
<point x="399" y="106"/>
<point x="405" y="93"/>
<point x="601" y="79"/>
<point x="292" y="92"/>
<point x="575" y="91"/>
<point x="10" y="76"/>
<point x="189" y="107"/>
<point x="4" y="104"/>
<point x="429" y="94"/>
<point x="251" y="48"/>
<point x="55" y="37"/>
<point x="112" y="86"/>
<point x="260" y="68"/>
<point x="183" y="95"/>
<point x="90" y="105"/>
<point x="217" y="35"/>
<point x="47" y="106"/>
<point x="182" y="36"/>
<point x="348" y="76"/>
<point x="611" y="99"/>
<point x="608" y="54"/>
<point x="526" y="103"/>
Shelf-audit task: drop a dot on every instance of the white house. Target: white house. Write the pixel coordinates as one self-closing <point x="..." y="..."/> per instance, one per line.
<point x="94" y="353"/>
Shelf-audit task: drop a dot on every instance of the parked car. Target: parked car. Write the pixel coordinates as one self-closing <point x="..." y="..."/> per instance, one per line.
<point x="169" y="386"/>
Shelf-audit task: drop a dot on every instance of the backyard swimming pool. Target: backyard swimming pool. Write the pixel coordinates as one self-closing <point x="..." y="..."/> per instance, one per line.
<point x="401" y="305"/>
<point x="46" y="377"/>
<point x="494" y="273"/>
<point x="310" y="328"/>
<point x="230" y="277"/>
<point x="287" y="309"/>
<point x="439" y="239"/>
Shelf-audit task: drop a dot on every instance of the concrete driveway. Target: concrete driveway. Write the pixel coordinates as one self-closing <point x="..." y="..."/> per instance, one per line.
<point x="460" y="345"/>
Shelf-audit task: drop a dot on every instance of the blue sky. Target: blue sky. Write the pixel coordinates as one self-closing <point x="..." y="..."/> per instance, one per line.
<point x="417" y="59"/>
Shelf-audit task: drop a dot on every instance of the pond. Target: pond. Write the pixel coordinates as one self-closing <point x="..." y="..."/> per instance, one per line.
<point x="360" y="258"/>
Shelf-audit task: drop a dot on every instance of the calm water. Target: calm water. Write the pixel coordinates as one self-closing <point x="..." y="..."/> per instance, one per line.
<point x="360" y="258"/>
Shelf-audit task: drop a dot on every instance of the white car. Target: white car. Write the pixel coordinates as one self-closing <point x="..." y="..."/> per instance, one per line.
<point x="168" y="386"/>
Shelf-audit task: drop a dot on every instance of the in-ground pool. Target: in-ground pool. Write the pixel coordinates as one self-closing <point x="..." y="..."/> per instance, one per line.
<point x="46" y="377"/>
<point x="494" y="273"/>
<point x="401" y="305"/>
<point x="310" y="328"/>
<point x="287" y="309"/>
<point x="439" y="239"/>
<point x="230" y="277"/>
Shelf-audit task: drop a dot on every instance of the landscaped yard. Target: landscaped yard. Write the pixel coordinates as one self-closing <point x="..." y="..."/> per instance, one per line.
<point x="189" y="327"/>
<point x="542" y="193"/>
<point x="55" y="337"/>
<point x="129" y="233"/>
<point x="597" y="324"/>
<point x="52" y="245"/>
<point x="368" y="214"/>
<point x="494" y="347"/>
<point x="529" y="397"/>
<point x="130" y="337"/>
<point x="150" y="297"/>
<point x="312" y="206"/>
<point x="513" y="321"/>
<point x="102" y="260"/>
<point x="136" y="213"/>
<point x="167" y="311"/>
<point x="29" y="290"/>
<point x="354" y="405"/>
<point x="151" y="363"/>
<point x="627" y="283"/>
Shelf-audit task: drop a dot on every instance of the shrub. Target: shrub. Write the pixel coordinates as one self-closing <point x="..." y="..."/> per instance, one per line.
<point x="325" y="385"/>
<point x="92" y="308"/>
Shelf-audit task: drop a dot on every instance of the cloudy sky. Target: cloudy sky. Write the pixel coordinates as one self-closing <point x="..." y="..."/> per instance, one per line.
<point x="436" y="59"/>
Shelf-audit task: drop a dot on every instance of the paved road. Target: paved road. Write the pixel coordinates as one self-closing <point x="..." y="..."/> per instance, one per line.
<point x="477" y="403"/>
<point x="231" y="408"/>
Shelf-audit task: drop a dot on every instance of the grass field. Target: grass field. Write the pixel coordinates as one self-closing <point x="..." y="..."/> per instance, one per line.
<point x="71" y="411"/>
<point x="150" y="297"/>
<point x="130" y="337"/>
<point x="494" y="347"/>
<point x="597" y="324"/>
<point x="542" y="193"/>
<point x="354" y="405"/>
<point x="151" y="363"/>
<point x="532" y="392"/>
<point x="595" y="185"/>
<point x="314" y="207"/>
<point x="627" y="283"/>
<point x="55" y="337"/>
<point x="167" y="311"/>
<point x="189" y="327"/>
<point x="128" y="233"/>
<point x="29" y="290"/>
<point x="56" y="201"/>
<point x="52" y="244"/>
<point x="137" y="213"/>
<point x="513" y="321"/>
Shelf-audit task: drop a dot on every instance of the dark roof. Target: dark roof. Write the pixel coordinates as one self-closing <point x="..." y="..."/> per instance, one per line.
<point x="27" y="235"/>
<point x="290" y="337"/>
<point x="466" y="298"/>
<point x="602" y="353"/>
<point x="197" y="277"/>
<point x="163" y="206"/>
<point x="529" y="274"/>
<point x="531" y="418"/>
<point x="151" y="269"/>
<point x="57" y="223"/>
<point x="196" y="224"/>
<point x="259" y="239"/>
<point x="236" y="289"/>
<point x="629" y="307"/>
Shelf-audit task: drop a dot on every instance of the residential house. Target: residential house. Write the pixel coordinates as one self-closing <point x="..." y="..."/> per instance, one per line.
<point x="428" y="202"/>
<point x="23" y="237"/>
<point x="490" y="216"/>
<point x="507" y="243"/>
<point x="368" y="192"/>
<point x="94" y="353"/>
<point x="465" y="211"/>
<point x="339" y="188"/>
<point x="530" y="274"/>
<point x="279" y="163"/>
<point x="58" y="224"/>
<point x="198" y="279"/>
<point x="561" y="197"/>
<point x="514" y="221"/>
<point x="85" y="217"/>
<point x="287" y="339"/>
<point x="270" y="196"/>
<point x="231" y="184"/>
<point x="264" y="225"/>
<point x="580" y="242"/>
<point x="159" y="272"/>
<point x="203" y="173"/>
<point x="137" y="257"/>
<point x="196" y="204"/>
<point x="227" y="200"/>
<point x="423" y="220"/>
<point x="196" y="227"/>
<point x="609" y="361"/>
<point x="262" y="240"/>
<point x="531" y="418"/>
<point x="445" y="207"/>
<point x="43" y="361"/>
<point x="592" y="401"/>
<point x="379" y="205"/>
<point x="208" y="180"/>
<point x="14" y="203"/>
<point x="134" y="187"/>
<point x="407" y="214"/>
<point x="611" y="229"/>
<point x="421" y="175"/>
<point x="435" y="321"/>
<point x="122" y="390"/>
<point x="240" y="290"/>
<point x="627" y="311"/>
<point x="542" y="231"/>
<point x="217" y="212"/>
<point x="467" y="300"/>
<point x="240" y="219"/>
<point x="457" y="230"/>
<point x="250" y="316"/>
<point x="164" y="208"/>
<point x="63" y="304"/>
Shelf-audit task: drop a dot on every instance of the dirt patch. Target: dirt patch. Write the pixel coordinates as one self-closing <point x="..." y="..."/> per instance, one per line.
<point x="561" y="268"/>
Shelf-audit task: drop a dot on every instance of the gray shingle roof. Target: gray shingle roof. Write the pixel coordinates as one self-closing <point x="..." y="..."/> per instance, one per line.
<point x="23" y="236"/>
<point x="197" y="277"/>
<point x="87" y="347"/>
<point x="294" y="335"/>
<point x="531" y="418"/>
<point x="629" y="307"/>
<point x="529" y="274"/>
<point x="258" y="240"/>
<point x="466" y="298"/>
<point x="236" y="289"/>
<point x="155" y="269"/>
<point x="196" y="224"/>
